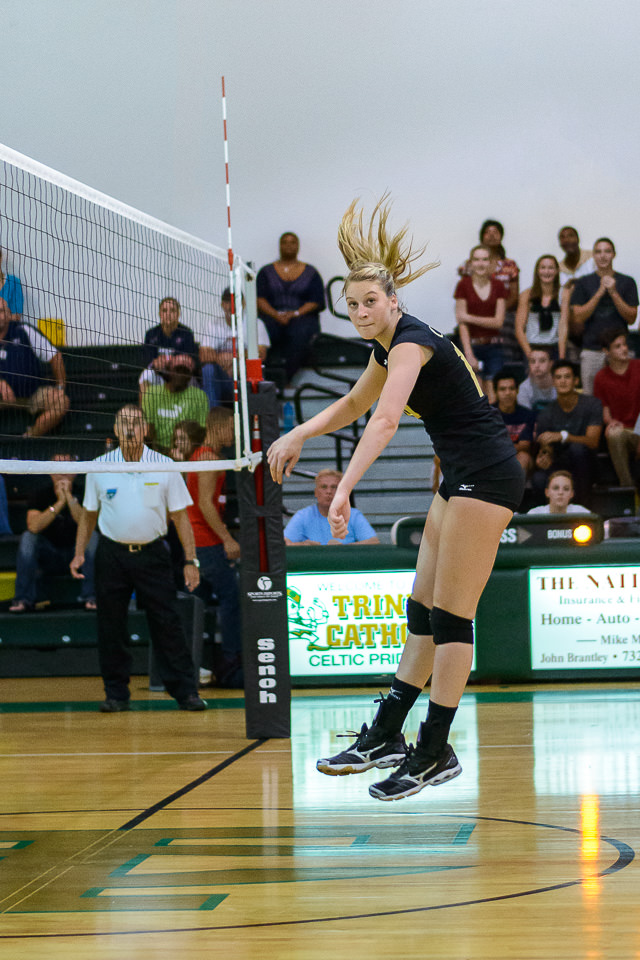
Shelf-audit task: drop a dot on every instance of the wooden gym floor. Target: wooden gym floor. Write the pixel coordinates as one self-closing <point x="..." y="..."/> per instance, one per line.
<point x="164" y="834"/>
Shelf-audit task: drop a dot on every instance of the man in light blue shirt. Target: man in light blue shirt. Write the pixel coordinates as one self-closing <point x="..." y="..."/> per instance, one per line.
<point x="310" y="525"/>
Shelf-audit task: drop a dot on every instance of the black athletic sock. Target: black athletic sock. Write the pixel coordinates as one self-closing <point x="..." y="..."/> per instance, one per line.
<point x="434" y="732"/>
<point x="394" y="708"/>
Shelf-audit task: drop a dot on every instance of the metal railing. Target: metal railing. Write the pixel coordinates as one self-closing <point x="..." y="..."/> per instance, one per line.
<point x="339" y="437"/>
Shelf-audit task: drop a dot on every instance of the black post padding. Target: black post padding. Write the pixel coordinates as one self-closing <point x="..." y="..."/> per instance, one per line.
<point x="265" y="637"/>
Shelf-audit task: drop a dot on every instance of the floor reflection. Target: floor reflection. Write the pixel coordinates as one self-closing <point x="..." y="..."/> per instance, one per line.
<point x="316" y="723"/>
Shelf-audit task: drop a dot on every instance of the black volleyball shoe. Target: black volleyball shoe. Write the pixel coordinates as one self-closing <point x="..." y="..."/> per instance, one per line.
<point x="418" y="771"/>
<point x="372" y="748"/>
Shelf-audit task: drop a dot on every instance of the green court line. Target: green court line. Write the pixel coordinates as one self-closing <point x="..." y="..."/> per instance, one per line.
<point x="212" y="902"/>
<point x="124" y="868"/>
<point x="528" y="696"/>
<point x="92" y="706"/>
<point x="504" y="696"/>
<point x="237" y="703"/>
<point x="464" y="833"/>
<point x="142" y="902"/>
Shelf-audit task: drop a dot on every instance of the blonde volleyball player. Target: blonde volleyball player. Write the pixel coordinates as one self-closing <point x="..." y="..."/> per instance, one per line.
<point x="415" y="369"/>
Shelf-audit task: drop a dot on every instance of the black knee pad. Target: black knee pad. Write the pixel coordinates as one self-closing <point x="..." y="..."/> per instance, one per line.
<point x="449" y="628"/>
<point x="418" y="618"/>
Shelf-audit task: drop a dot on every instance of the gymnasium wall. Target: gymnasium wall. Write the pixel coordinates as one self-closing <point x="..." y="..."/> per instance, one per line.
<point x="522" y="110"/>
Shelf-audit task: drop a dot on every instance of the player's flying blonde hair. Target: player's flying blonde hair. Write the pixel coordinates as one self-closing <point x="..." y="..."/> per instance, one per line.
<point x="373" y="253"/>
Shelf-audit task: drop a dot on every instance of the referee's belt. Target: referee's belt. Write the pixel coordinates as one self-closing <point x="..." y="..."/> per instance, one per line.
<point x="133" y="547"/>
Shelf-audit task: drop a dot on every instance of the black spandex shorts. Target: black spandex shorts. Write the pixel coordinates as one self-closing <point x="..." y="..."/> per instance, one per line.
<point x="501" y="483"/>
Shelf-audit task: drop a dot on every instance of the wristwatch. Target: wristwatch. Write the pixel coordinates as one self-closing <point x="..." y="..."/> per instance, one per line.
<point x="192" y="563"/>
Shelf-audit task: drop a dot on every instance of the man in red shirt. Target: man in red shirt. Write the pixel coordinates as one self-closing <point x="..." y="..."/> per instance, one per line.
<point x="216" y="549"/>
<point x="617" y="386"/>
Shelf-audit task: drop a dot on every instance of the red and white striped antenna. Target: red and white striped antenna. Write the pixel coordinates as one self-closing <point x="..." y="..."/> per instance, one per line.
<point x="231" y="259"/>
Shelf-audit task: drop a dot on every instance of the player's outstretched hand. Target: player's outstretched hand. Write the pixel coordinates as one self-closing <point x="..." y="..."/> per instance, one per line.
<point x="283" y="454"/>
<point x="339" y="513"/>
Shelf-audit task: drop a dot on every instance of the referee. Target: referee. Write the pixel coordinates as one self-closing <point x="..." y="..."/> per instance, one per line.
<point x="131" y="512"/>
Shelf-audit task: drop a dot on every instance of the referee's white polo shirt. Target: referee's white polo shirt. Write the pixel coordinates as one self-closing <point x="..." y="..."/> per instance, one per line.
<point x="133" y="506"/>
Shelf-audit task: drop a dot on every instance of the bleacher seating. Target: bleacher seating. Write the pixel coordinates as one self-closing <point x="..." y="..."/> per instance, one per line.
<point x="61" y="639"/>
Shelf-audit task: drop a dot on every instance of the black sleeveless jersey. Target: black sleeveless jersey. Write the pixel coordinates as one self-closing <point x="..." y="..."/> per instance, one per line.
<point x="467" y="433"/>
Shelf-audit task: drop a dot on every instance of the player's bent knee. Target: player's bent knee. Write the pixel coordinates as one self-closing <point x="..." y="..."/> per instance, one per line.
<point x="418" y="618"/>
<point x="450" y="628"/>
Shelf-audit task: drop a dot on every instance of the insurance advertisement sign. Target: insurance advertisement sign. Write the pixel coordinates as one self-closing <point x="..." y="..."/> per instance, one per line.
<point x="585" y="617"/>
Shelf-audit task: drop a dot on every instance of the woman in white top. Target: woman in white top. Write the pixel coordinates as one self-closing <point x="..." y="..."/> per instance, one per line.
<point x="542" y="318"/>
<point x="559" y="491"/>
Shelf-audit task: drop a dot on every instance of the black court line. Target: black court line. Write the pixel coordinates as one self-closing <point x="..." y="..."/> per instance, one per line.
<point x="626" y="855"/>
<point x="149" y="812"/>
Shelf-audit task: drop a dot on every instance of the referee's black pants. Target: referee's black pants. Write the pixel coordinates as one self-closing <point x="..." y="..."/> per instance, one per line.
<point x="118" y="573"/>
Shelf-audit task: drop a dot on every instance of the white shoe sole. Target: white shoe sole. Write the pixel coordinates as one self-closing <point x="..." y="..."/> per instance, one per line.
<point x="324" y="766"/>
<point x="437" y="780"/>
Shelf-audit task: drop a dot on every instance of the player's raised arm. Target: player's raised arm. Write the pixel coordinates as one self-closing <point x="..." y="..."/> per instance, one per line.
<point x="283" y="454"/>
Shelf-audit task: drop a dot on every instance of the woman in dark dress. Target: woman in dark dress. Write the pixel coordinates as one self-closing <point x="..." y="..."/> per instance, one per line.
<point x="415" y="369"/>
<point x="290" y="298"/>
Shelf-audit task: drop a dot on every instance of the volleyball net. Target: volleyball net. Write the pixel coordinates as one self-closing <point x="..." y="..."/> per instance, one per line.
<point x="83" y="278"/>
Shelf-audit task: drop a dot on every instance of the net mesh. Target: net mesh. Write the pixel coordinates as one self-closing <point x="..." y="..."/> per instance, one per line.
<point x="83" y="277"/>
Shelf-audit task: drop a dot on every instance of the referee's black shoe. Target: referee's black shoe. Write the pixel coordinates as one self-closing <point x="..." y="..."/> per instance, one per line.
<point x="114" y="706"/>
<point x="193" y="703"/>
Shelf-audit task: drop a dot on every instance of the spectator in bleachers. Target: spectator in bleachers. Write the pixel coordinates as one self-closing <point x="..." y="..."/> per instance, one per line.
<point x="576" y="262"/>
<point x="290" y="298"/>
<point x="559" y="492"/>
<point x="617" y="386"/>
<point x="480" y="307"/>
<point x="571" y="427"/>
<point x="167" y="339"/>
<point x="25" y="355"/>
<point x="174" y="399"/>
<point x="187" y="435"/>
<point x="310" y="526"/>
<point x="542" y="318"/>
<point x="217" y="550"/>
<point x="601" y="301"/>
<point x="11" y="291"/>
<point x="5" y="526"/>
<point x="216" y="354"/>
<point x="538" y="390"/>
<point x="48" y="543"/>
<point x="519" y="420"/>
<point x="507" y="272"/>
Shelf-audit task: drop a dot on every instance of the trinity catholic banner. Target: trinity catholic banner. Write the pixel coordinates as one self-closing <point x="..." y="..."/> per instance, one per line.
<point x="347" y="623"/>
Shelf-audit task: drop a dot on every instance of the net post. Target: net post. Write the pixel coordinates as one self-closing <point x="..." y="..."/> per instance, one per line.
<point x="251" y="310"/>
<point x="263" y="578"/>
